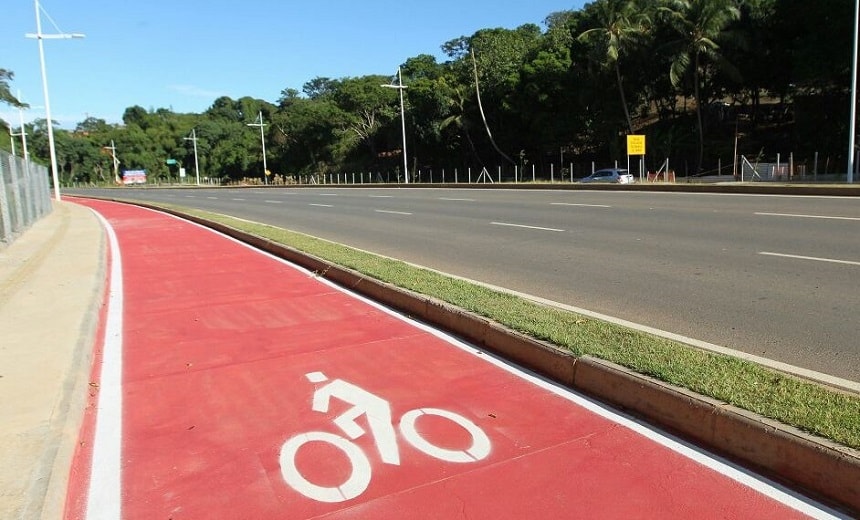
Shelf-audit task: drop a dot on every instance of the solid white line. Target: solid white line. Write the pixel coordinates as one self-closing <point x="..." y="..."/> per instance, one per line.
<point x="813" y="258"/>
<point x="806" y="216"/>
<point x="274" y="201"/>
<point x="456" y="200"/>
<point x="392" y="212"/>
<point x="105" y="489"/>
<point x="322" y="205"/>
<point x="527" y="227"/>
<point x="581" y="205"/>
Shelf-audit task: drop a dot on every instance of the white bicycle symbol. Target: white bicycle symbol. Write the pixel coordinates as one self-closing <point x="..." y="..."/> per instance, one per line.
<point x="378" y="413"/>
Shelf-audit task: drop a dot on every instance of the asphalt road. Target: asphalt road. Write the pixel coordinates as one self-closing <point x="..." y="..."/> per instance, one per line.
<point x="777" y="277"/>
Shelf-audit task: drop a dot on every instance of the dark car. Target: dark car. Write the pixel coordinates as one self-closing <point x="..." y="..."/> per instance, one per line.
<point x="616" y="175"/>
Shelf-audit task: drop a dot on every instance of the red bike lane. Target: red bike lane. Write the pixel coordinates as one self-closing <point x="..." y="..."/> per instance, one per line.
<point x="234" y="385"/>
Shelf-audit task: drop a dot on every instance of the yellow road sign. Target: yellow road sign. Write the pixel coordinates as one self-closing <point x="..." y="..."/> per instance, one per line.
<point x="635" y="145"/>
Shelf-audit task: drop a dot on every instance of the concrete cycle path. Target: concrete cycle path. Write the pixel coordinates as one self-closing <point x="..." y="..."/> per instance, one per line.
<point x="231" y="384"/>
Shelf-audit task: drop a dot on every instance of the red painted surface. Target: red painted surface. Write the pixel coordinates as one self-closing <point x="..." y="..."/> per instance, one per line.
<point x="219" y="338"/>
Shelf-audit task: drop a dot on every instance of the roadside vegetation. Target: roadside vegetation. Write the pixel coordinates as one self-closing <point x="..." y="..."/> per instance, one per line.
<point x="694" y="76"/>
<point x="808" y="406"/>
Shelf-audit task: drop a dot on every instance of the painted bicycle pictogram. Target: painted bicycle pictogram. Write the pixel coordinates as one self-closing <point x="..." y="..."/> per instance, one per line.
<point x="378" y="415"/>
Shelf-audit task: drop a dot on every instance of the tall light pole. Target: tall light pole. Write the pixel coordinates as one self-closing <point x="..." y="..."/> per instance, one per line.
<point x="262" y="140"/>
<point x="39" y="36"/>
<point x="401" y="87"/>
<point x="851" y="131"/>
<point x="193" y="139"/>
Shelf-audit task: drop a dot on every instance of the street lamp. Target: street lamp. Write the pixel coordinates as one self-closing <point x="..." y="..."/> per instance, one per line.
<point x="262" y="140"/>
<point x="851" y="144"/>
<point x="39" y="36"/>
<point x="401" y="87"/>
<point x="193" y="139"/>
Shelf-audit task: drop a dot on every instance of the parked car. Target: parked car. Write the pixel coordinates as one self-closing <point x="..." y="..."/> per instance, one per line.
<point x="616" y="175"/>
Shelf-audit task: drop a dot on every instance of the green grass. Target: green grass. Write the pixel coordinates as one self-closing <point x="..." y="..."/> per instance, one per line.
<point x="808" y="406"/>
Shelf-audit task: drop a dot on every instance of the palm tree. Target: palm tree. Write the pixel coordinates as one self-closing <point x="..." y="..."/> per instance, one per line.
<point x="701" y="24"/>
<point x="622" y="23"/>
<point x="5" y="94"/>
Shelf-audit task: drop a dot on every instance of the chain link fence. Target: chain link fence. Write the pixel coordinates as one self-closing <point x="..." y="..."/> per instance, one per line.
<point x="25" y="195"/>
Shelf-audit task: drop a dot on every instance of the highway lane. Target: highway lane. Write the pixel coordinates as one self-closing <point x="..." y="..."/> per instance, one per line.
<point x="775" y="277"/>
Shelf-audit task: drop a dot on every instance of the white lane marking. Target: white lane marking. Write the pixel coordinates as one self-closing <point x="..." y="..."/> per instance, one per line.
<point x="392" y="212"/>
<point x="191" y="196"/>
<point x="322" y="205"/>
<point x="212" y="198"/>
<point x="104" y="493"/>
<point x="381" y="196"/>
<point x="456" y="199"/>
<point x="527" y="227"/>
<point x="812" y="258"/>
<point x="274" y="201"/>
<point x="793" y="215"/>
<point x="327" y="194"/>
<point x="237" y="199"/>
<point x="580" y="205"/>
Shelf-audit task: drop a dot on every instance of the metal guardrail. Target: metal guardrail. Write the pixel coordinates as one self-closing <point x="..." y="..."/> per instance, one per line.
<point x="25" y="195"/>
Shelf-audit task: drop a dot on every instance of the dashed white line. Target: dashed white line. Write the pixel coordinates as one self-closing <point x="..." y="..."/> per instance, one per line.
<point x="392" y="212"/>
<point x="527" y="227"/>
<point x="322" y="205"/>
<point x="238" y="199"/>
<point x="580" y="205"/>
<point x="456" y="200"/>
<point x="274" y="201"/>
<point x="381" y="196"/>
<point x="212" y="198"/>
<point x="812" y="258"/>
<point x="327" y="194"/>
<point x="191" y="196"/>
<point x="826" y="217"/>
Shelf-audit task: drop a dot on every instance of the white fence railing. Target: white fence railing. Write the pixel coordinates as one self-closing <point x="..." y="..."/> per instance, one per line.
<point x="25" y="195"/>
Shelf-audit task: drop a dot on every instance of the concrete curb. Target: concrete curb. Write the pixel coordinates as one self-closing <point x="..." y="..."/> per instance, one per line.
<point x="822" y="469"/>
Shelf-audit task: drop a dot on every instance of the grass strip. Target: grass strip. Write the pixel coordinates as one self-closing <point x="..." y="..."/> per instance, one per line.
<point x="805" y="405"/>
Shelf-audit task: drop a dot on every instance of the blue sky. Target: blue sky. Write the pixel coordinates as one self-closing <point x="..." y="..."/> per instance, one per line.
<point x="181" y="55"/>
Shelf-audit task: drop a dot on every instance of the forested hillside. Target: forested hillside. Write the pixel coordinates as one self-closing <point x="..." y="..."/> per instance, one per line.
<point x="691" y="75"/>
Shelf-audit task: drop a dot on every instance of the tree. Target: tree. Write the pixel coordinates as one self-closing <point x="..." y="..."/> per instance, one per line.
<point x="5" y="93"/>
<point x="622" y="23"/>
<point x="699" y="24"/>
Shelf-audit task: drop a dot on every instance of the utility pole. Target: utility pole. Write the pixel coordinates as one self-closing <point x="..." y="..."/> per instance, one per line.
<point x="401" y="87"/>
<point x="262" y="140"/>
<point x="193" y="139"/>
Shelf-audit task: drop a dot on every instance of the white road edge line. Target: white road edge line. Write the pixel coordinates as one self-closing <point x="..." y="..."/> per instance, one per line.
<point x="104" y="494"/>
<point x="527" y="227"/>
<point x="826" y="217"/>
<point x="812" y="258"/>
<point x="392" y="212"/>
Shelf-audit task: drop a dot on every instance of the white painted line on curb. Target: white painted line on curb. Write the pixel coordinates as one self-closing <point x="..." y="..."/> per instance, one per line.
<point x="812" y="258"/>
<point x="527" y="227"/>
<point x="105" y="488"/>
<point x="826" y="217"/>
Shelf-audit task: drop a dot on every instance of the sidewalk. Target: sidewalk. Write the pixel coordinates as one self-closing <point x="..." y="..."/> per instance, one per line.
<point x="51" y="282"/>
